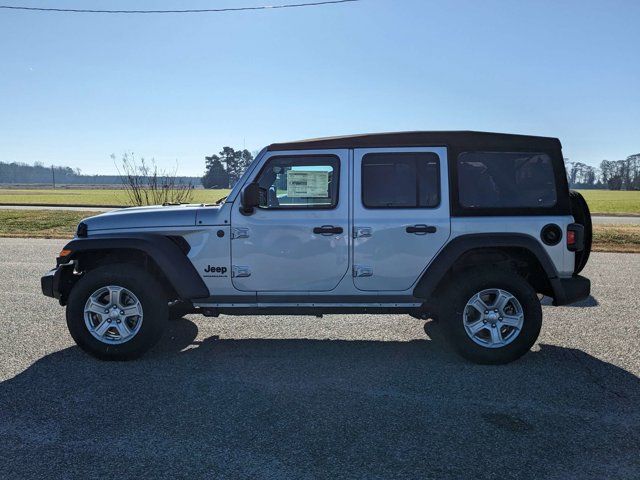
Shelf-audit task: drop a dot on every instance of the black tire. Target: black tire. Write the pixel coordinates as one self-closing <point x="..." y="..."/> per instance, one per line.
<point x="143" y="285"/>
<point x="462" y="288"/>
<point x="581" y="215"/>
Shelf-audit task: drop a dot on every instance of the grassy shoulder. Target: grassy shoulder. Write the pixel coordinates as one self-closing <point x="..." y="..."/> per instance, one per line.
<point x="616" y="238"/>
<point x="86" y="197"/>
<point x="40" y="223"/>
<point x="62" y="224"/>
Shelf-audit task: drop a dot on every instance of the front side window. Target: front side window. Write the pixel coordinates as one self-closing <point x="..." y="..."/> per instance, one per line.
<point x="505" y="180"/>
<point x="401" y="180"/>
<point x="299" y="182"/>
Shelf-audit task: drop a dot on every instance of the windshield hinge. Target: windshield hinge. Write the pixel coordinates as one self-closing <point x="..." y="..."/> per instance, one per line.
<point x="240" y="271"/>
<point x="360" y="232"/>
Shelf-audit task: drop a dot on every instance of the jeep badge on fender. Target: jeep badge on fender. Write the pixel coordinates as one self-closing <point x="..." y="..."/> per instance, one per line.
<point x="468" y="227"/>
<point x="212" y="269"/>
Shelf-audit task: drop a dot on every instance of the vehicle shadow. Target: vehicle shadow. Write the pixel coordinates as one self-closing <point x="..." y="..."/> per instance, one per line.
<point x="306" y="408"/>
<point x="590" y="301"/>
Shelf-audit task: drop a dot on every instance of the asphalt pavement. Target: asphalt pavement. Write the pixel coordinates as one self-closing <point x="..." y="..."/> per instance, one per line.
<point x="289" y="397"/>
<point x="611" y="220"/>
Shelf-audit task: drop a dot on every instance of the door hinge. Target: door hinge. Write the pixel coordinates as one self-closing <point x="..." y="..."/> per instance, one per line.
<point x="360" y="232"/>
<point x="362" y="271"/>
<point x="239" y="233"/>
<point x="240" y="271"/>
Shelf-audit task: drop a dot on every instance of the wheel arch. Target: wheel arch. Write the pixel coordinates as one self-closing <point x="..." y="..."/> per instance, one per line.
<point x="161" y="255"/>
<point x="515" y="252"/>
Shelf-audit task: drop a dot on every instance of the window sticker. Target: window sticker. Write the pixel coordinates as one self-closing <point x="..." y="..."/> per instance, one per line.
<point x="307" y="184"/>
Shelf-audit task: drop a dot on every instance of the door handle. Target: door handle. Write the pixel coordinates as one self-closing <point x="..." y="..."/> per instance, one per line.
<point x="328" y="230"/>
<point x="421" y="229"/>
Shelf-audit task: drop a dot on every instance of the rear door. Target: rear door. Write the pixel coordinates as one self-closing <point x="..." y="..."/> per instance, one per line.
<point x="297" y="240"/>
<point x="400" y="214"/>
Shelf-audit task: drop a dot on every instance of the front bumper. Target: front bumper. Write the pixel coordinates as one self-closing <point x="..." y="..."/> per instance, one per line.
<point x="58" y="280"/>
<point x="50" y="283"/>
<point x="571" y="290"/>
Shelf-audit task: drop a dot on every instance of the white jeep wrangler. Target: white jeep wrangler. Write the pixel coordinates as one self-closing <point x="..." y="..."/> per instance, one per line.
<point x="468" y="227"/>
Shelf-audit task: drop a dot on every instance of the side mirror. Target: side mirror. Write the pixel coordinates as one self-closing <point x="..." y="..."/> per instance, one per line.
<point x="250" y="198"/>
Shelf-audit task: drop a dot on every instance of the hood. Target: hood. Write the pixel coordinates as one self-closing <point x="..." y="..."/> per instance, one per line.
<point x="151" y="217"/>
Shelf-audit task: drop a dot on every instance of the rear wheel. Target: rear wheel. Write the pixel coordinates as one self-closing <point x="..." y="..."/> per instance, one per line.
<point x="581" y="215"/>
<point x="113" y="312"/>
<point x="491" y="317"/>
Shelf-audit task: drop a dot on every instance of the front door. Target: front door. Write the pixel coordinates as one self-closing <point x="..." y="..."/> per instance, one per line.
<point x="297" y="239"/>
<point x="401" y="214"/>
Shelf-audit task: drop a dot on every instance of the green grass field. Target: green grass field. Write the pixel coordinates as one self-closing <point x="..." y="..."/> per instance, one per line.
<point x="87" y="197"/>
<point x="613" y="202"/>
<point x="600" y="201"/>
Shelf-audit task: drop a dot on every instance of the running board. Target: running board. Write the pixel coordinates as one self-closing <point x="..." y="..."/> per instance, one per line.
<point x="313" y="309"/>
<point x="308" y="305"/>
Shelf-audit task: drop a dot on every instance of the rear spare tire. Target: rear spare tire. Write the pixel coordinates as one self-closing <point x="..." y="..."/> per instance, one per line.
<point x="581" y="215"/>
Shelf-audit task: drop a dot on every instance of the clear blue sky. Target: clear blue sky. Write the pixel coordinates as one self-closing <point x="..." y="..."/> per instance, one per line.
<point x="75" y="88"/>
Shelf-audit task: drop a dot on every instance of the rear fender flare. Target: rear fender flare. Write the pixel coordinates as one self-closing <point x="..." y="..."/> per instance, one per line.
<point x="448" y="256"/>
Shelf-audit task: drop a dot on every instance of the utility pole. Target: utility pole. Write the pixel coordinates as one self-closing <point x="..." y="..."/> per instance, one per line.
<point x="53" y="177"/>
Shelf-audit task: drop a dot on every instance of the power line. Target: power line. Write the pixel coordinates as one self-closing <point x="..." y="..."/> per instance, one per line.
<point x="200" y="10"/>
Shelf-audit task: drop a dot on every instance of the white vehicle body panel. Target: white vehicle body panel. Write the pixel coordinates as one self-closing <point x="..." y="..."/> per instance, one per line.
<point x="394" y="257"/>
<point x="281" y="252"/>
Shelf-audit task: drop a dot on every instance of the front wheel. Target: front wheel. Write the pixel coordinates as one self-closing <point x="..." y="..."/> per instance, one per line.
<point x="114" y="312"/>
<point x="491" y="317"/>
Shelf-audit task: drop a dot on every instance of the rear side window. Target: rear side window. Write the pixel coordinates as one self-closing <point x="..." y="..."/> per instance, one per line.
<point x="505" y="180"/>
<point x="401" y="180"/>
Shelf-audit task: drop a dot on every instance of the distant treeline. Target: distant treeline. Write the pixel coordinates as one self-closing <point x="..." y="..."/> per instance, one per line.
<point x="225" y="168"/>
<point x="612" y="174"/>
<point x="21" y="173"/>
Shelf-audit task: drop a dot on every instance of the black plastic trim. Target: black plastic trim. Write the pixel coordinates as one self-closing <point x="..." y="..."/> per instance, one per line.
<point x="182" y="242"/>
<point x="572" y="290"/>
<point x="314" y="311"/>
<point x="165" y="253"/>
<point x="437" y="269"/>
<point x="47" y="281"/>
<point x="53" y="282"/>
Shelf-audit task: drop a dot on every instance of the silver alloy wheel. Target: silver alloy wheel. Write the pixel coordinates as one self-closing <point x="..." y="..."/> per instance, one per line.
<point x="113" y="315"/>
<point x="493" y="318"/>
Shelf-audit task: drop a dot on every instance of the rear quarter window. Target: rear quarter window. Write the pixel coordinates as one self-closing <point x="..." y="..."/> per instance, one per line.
<point x="505" y="180"/>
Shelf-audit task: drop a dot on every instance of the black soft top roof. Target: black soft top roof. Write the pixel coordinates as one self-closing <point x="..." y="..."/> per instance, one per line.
<point x="460" y="139"/>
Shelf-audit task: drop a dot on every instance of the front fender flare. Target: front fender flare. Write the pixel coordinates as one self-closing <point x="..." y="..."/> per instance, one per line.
<point x="167" y="255"/>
